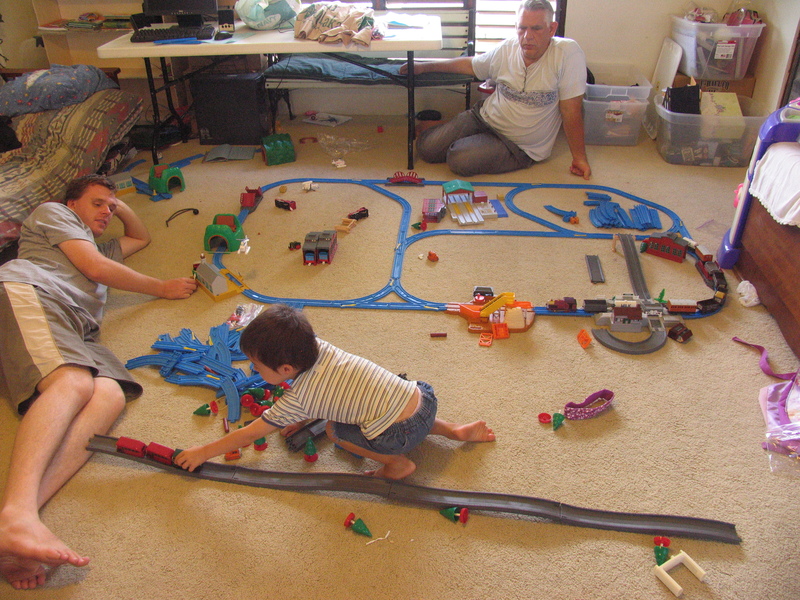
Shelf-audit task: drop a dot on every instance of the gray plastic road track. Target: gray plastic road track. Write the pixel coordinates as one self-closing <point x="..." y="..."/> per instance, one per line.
<point x="657" y="338"/>
<point x="688" y="527"/>
<point x="635" y="272"/>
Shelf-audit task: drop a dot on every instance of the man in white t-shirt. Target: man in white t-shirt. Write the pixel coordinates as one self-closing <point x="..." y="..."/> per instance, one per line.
<point x="540" y="81"/>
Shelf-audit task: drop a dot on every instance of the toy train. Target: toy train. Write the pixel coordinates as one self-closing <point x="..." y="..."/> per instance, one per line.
<point x="568" y="304"/>
<point x="674" y="247"/>
<point x="153" y="451"/>
<point x="319" y="247"/>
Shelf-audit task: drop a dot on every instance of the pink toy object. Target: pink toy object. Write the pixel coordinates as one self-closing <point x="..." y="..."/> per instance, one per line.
<point x="590" y="407"/>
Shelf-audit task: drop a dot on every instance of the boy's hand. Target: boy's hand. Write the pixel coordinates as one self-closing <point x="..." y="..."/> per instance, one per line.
<point x="190" y="459"/>
<point x="293" y="428"/>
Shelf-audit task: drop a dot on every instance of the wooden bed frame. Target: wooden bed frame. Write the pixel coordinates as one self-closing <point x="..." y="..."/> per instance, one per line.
<point x="768" y="260"/>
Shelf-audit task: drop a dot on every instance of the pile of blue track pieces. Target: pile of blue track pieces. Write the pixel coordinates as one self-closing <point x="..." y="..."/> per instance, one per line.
<point x="185" y="360"/>
<point x="607" y="213"/>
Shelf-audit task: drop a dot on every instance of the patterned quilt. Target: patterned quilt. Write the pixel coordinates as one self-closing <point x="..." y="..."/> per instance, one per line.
<point x="57" y="146"/>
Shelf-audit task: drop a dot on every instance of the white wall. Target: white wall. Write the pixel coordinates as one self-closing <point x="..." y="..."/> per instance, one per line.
<point x="631" y="32"/>
<point x="626" y="32"/>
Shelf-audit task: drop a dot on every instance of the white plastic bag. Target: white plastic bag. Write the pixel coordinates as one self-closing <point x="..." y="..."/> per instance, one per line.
<point x="267" y="14"/>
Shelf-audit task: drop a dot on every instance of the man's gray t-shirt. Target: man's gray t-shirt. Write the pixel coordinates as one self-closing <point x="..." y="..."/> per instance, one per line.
<point x="41" y="262"/>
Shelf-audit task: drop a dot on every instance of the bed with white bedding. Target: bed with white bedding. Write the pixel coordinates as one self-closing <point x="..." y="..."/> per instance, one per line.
<point x="763" y="244"/>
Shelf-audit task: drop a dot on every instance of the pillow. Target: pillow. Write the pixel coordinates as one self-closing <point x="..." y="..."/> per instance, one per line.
<point x="51" y="88"/>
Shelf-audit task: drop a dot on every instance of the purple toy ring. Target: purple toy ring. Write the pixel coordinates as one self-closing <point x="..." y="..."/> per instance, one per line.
<point x="585" y="410"/>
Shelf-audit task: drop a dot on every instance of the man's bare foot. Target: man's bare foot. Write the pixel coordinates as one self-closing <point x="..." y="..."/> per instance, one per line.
<point x="26" y="546"/>
<point x="474" y="432"/>
<point x="395" y="470"/>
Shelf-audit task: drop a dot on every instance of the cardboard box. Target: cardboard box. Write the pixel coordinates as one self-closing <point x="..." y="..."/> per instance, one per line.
<point x="721" y="104"/>
<point x="740" y="87"/>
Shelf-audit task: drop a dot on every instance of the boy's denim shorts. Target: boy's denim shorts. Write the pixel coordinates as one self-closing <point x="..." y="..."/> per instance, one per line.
<point x="400" y="437"/>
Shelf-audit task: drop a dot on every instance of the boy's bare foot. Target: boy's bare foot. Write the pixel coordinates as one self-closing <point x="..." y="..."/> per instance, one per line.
<point x="22" y="574"/>
<point x="395" y="470"/>
<point x="26" y="546"/>
<point x="474" y="432"/>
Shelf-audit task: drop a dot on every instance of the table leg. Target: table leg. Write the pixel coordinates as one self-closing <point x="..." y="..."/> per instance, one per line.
<point x="154" y="102"/>
<point x="411" y="110"/>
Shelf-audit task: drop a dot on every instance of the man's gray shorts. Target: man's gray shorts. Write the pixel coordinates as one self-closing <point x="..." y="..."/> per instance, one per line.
<point x="470" y="146"/>
<point x="41" y="334"/>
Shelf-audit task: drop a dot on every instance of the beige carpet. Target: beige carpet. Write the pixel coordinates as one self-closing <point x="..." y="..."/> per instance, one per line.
<point x="683" y="437"/>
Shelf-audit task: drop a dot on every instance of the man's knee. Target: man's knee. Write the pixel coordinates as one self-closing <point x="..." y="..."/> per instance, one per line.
<point x="468" y="163"/>
<point x="76" y="383"/>
<point x="108" y="395"/>
<point x="429" y="147"/>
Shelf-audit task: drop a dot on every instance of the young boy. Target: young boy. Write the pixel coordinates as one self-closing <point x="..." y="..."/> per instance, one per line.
<point x="370" y="411"/>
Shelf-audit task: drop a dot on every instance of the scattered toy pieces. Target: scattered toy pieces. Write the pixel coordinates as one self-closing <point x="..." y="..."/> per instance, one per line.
<point x="310" y="451"/>
<point x="558" y="420"/>
<point x="285" y="204"/>
<point x="456" y="514"/>
<point x="661" y="571"/>
<point x="661" y="549"/>
<point x="357" y="525"/>
<point x="591" y="407"/>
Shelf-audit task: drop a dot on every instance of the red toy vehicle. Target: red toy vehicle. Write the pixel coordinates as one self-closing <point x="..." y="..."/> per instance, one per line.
<point x="361" y="213"/>
<point x="285" y="204"/>
<point x="251" y="198"/>
<point x="159" y="453"/>
<point x="568" y="304"/>
<point x="130" y="446"/>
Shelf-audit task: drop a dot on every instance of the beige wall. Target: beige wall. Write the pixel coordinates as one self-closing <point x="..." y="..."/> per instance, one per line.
<point x="631" y="32"/>
<point x="17" y="32"/>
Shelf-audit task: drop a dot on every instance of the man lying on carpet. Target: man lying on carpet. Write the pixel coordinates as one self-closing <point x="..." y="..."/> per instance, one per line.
<point x="370" y="411"/>
<point x="540" y="81"/>
<point x="65" y="384"/>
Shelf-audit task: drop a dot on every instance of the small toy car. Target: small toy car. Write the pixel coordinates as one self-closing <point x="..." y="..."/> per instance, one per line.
<point x="680" y="333"/>
<point x="285" y="204"/>
<point x="361" y="213"/>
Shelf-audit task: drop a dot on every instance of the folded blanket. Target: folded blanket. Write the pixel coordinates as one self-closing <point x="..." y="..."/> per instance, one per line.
<point x="333" y="22"/>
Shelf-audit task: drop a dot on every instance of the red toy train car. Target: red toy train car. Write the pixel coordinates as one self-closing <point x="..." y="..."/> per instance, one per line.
<point x="153" y="451"/>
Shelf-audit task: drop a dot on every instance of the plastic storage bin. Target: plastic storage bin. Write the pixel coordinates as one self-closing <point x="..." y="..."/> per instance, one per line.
<point x="708" y="141"/>
<point x="715" y="50"/>
<point x="617" y="82"/>
<point x="615" y="123"/>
